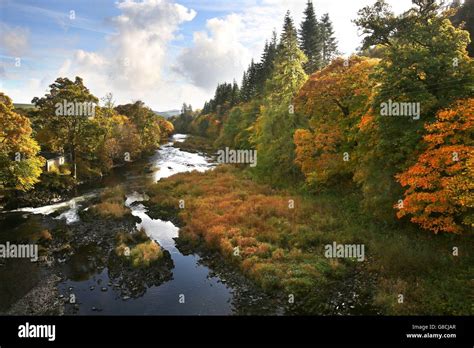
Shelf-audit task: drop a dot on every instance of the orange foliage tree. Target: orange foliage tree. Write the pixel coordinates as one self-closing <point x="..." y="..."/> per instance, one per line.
<point x="440" y="186"/>
<point x="333" y="101"/>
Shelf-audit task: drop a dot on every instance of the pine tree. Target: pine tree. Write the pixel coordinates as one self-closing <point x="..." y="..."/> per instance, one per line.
<point x="277" y="122"/>
<point x="253" y="77"/>
<point x="329" y="42"/>
<point x="244" y="87"/>
<point x="266" y="64"/>
<point x="235" y="98"/>
<point x="250" y="82"/>
<point x="184" y="108"/>
<point x="311" y="40"/>
<point x="206" y="109"/>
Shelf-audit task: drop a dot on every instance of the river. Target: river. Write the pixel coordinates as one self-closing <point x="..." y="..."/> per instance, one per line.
<point x="96" y="287"/>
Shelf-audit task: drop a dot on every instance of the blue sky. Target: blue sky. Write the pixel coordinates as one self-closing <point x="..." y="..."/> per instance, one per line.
<point x="163" y="52"/>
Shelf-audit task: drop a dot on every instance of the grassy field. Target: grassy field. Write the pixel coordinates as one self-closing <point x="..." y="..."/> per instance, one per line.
<point x="277" y="239"/>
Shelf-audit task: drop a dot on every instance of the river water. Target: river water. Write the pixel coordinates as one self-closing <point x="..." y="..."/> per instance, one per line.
<point x="192" y="289"/>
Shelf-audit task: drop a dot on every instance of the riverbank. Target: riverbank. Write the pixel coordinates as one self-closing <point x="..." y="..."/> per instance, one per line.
<point x="196" y="144"/>
<point x="277" y="239"/>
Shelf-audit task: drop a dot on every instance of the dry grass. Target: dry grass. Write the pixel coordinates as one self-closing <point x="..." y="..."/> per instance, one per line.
<point x="138" y="248"/>
<point x="110" y="210"/>
<point x="112" y="204"/>
<point x="250" y="224"/>
<point x="142" y="255"/>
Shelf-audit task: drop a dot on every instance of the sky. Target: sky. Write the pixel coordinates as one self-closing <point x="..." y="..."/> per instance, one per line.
<point x="163" y="52"/>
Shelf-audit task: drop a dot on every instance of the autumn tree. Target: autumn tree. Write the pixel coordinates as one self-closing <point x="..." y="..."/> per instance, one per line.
<point x="425" y="63"/>
<point x="465" y="16"/>
<point x="238" y="125"/>
<point x="439" y="192"/>
<point x="71" y="132"/>
<point x="334" y="101"/>
<point x="20" y="164"/>
<point x="147" y="123"/>
<point x="119" y="139"/>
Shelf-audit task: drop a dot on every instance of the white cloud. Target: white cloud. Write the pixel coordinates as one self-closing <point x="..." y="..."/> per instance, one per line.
<point x="132" y="62"/>
<point x="13" y="40"/>
<point x="217" y="55"/>
<point x="225" y="49"/>
<point x="34" y="86"/>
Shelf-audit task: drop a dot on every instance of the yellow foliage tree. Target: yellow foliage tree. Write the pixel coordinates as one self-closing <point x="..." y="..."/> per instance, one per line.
<point x="20" y="165"/>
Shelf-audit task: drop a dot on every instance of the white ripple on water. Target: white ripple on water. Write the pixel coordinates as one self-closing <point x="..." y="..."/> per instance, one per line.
<point x="171" y="160"/>
<point x="70" y="215"/>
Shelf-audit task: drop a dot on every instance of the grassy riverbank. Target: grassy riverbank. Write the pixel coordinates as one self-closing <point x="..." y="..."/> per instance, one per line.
<point x="281" y="248"/>
<point x="195" y="144"/>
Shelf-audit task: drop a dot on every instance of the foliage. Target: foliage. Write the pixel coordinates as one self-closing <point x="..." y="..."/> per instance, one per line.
<point x="182" y="122"/>
<point x="329" y="43"/>
<point x="311" y="39"/>
<point x="440" y="186"/>
<point x="334" y="101"/>
<point x="23" y="172"/>
<point x="147" y="123"/>
<point x="138" y="248"/>
<point x="237" y="126"/>
<point x="111" y="205"/>
<point x="424" y="61"/>
<point x="277" y="121"/>
<point x="463" y="16"/>
<point x="73" y="134"/>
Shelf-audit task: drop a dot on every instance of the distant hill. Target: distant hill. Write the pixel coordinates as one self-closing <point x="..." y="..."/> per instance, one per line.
<point x="165" y="114"/>
<point x="168" y="114"/>
<point x="23" y="106"/>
